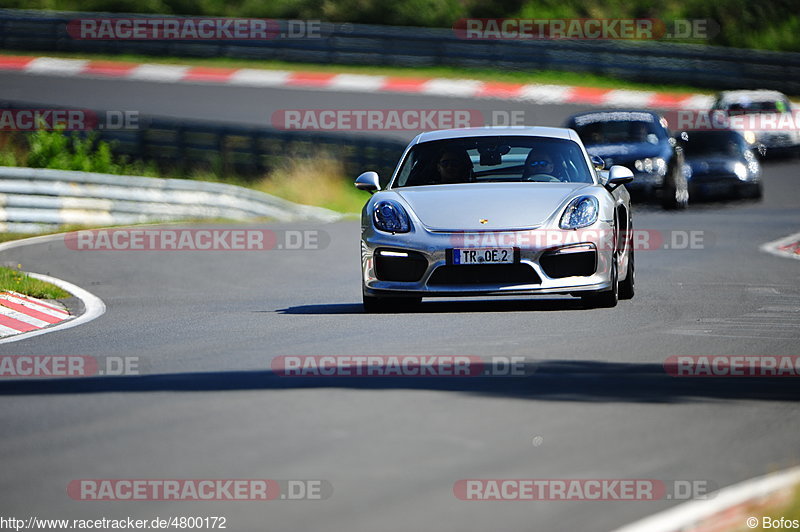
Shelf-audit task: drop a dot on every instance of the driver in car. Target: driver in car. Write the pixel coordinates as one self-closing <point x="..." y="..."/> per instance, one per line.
<point x="454" y="166"/>
<point x="539" y="167"/>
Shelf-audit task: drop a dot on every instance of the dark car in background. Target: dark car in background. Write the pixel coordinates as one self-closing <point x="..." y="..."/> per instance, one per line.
<point x="721" y="164"/>
<point x="640" y="141"/>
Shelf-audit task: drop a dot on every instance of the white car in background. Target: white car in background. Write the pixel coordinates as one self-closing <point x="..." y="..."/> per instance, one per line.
<point x="763" y="117"/>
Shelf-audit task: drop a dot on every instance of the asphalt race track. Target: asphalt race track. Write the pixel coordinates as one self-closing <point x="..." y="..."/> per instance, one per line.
<point x="205" y="327"/>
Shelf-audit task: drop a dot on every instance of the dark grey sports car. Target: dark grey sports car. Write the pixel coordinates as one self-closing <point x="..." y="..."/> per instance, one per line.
<point x="722" y="164"/>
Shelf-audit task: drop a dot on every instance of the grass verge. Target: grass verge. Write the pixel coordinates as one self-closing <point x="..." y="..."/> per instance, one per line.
<point x="7" y="237"/>
<point x="19" y="281"/>
<point x="319" y="181"/>
<point x="787" y="511"/>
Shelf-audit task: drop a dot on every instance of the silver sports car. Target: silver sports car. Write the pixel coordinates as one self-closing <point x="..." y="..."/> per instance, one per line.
<point x="497" y="211"/>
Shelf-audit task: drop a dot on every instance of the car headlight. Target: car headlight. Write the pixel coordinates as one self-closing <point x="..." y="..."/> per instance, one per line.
<point x="750" y="137"/>
<point x="660" y="166"/>
<point x="580" y="212"/>
<point x="741" y="171"/>
<point x="389" y="216"/>
<point x="656" y="165"/>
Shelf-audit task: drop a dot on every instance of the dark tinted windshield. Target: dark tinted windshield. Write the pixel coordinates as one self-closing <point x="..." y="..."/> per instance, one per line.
<point x="494" y="159"/>
<point x="727" y="143"/>
<point x="619" y="127"/>
<point x="763" y="106"/>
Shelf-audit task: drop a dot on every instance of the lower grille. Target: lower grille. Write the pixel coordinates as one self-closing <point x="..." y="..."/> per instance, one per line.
<point x="495" y="274"/>
<point x="393" y="266"/>
<point x="558" y="266"/>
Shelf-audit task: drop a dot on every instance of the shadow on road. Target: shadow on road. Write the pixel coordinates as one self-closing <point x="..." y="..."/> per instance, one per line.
<point x="433" y="306"/>
<point x="545" y="381"/>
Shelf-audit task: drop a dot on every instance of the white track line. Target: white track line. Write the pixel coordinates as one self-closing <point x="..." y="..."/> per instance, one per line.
<point x="465" y="88"/>
<point x="55" y="66"/>
<point x="252" y="77"/>
<point x="357" y="83"/>
<point x="162" y="73"/>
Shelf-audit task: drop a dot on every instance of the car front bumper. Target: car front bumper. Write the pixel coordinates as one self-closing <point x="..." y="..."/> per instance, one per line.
<point x="542" y="258"/>
<point x="711" y="185"/>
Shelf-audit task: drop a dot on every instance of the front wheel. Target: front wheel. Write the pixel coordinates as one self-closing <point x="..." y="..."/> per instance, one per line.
<point x="627" y="288"/>
<point x="608" y="298"/>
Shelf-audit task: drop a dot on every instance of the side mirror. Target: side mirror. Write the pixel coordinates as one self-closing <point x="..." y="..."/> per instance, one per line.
<point x="597" y="162"/>
<point x="618" y="175"/>
<point x="368" y="181"/>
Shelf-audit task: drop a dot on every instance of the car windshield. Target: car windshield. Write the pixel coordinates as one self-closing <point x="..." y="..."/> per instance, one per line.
<point x="619" y="131"/>
<point x="494" y="159"/>
<point x="714" y="143"/>
<point x="754" y="107"/>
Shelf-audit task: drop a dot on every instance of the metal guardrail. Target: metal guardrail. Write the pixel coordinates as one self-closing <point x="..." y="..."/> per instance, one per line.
<point x="35" y="199"/>
<point x="654" y="62"/>
<point x="236" y="149"/>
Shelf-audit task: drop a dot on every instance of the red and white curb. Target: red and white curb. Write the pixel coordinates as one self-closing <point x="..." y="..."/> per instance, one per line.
<point x="784" y="247"/>
<point x="250" y="77"/>
<point x="732" y="508"/>
<point x="93" y="305"/>
<point x="20" y="314"/>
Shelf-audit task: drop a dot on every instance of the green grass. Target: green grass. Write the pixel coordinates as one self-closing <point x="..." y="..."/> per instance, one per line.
<point x="506" y="76"/>
<point x="319" y="181"/>
<point x="18" y="281"/>
<point x="789" y="512"/>
<point x="7" y="237"/>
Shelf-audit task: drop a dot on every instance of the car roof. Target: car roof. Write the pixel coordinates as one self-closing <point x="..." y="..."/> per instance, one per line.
<point x="619" y="113"/>
<point x="754" y="95"/>
<point x="536" y="131"/>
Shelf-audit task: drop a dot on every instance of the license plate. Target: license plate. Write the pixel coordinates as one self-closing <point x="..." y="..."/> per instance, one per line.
<point x="483" y="256"/>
